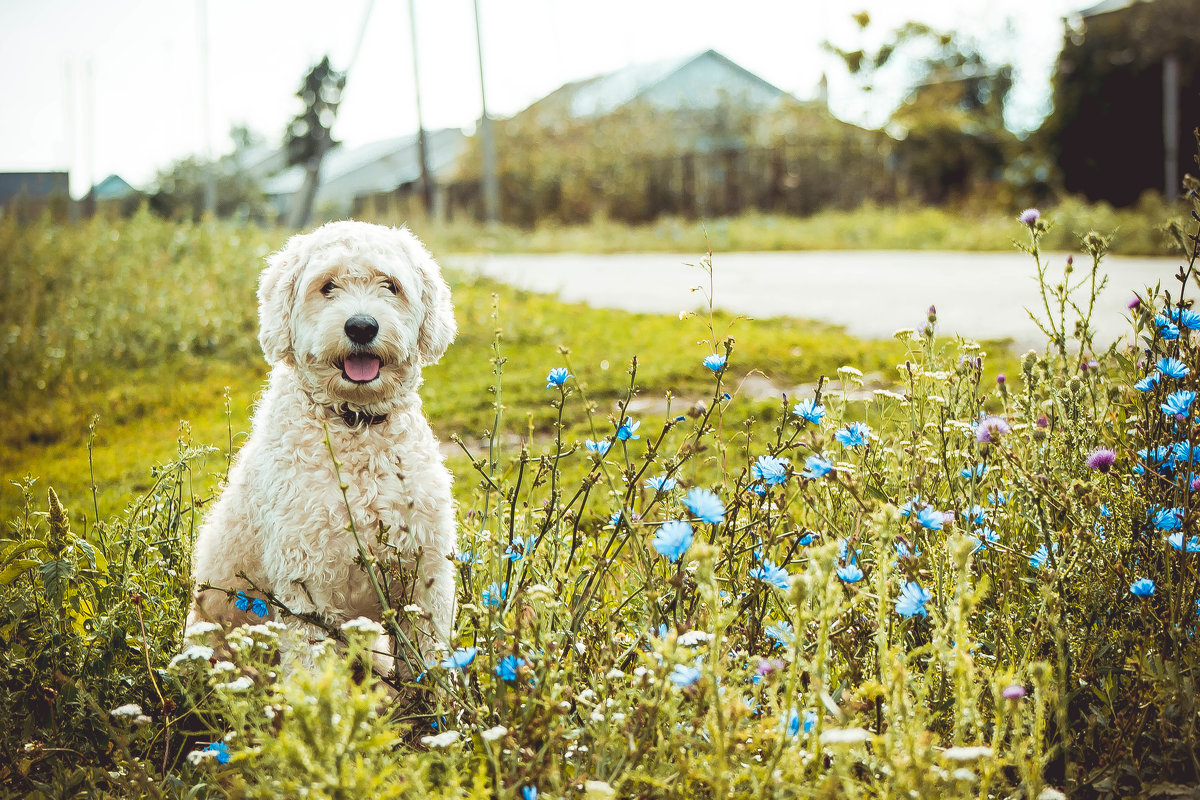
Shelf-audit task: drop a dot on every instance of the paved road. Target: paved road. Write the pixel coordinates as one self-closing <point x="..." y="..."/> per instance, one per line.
<point x="873" y="294"/>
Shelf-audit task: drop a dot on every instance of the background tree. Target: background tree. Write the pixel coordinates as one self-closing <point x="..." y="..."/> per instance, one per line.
<point x="309" y="135"/>
<point x="179" y="189"/>
<point x="951" y="140"/>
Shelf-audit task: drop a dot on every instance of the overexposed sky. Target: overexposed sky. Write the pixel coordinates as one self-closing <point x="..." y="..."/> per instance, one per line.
<point x="115" y="86"/>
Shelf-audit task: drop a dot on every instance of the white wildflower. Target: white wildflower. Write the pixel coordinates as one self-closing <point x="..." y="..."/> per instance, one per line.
<point x="614" y="674"/>
<point x="440" y="740"/>
<point x="694" y="638"/>
<point x="237" y="684"/>
<point x="363" y="624"/>
<point x="196" y="756"/>
<point x="492" y="734"/>
<point x="141" y="719"/>
<point x="411" y="608"/>
<point x="597" y="716"/>
<point x="617" y="717"/>
<point x="964" y="774"/>
<point x="200" y="628"/>
<point x="127" y="710"/>
<point x="223" y="666"/>
<point x="1051" y="794"/>
<point x="966" y="753"/>
<point x="849" y="371"/>
<point x="845" y="736"/>
<point x="889" y="393"/>
<point x="193" y="652"/>
<point x="587" y="696"/>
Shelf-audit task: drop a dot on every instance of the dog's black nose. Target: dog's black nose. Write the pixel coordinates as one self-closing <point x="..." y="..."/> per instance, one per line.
<point x="361" y="328"/>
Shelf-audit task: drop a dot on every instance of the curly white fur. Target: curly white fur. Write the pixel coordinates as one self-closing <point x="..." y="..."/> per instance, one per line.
<point x="281" y="519"/>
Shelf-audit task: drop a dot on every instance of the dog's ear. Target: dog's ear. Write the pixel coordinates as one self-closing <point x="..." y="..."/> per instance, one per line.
<point x="276" y="296"/>
<point x="438" y="327"/>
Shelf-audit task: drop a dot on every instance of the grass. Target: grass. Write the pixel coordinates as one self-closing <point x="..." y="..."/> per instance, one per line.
<point x="969" y="228"/>
<point x="919" y="611"/>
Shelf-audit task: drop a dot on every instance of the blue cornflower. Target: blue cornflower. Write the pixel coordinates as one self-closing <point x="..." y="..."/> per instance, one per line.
<point x="810" y="721"/>
<point x="818" y="467"/>
<point x="978" y="471"/>
<point x="557" y="377"/>
<point x="1148" y="383"/>
<point x="1142" y="587"/>
<point x="714" y="362"/>
<point x="1172" y="368"/>
<point x="660" y="483"/>
<point x="997" y="498"/>
<point x="529" y="793"/>
<point x="809" y="410"/>
<point x="806" y="539"/>
<point x="627" y="430"/>
<point x="460" y="658"/>
<point x="705" y="505"/>
<point x="506" y="670"/>
<point x="258" y="607"/>
<point x="772" y="575"/>
<point x="914" y="503"/>
<point x="1167" y="519"/>
<point x="792" y="726"/>
<point x="1166" y="329"/>
<point x="782" y="632"/>
<point x="1176" y="541"/>
<point x="220" y="748"/>
<point x="1189" y="319"/>
<point x="986" y="536"/>
<point x="770" y="469"/>
<point x="255" y="605"/>
<point x="903" y="551"/>
<point x="600" y="447"/>
<point x="930" y="518"/>
<point x="850" y="573"/>
<point x="241" y="601"/>
<point x="976" y="515"/>
<point x="1178" y="404"/>
<point x="673" y="539"/>
<point x="912" y="600"/>
<point x="684" y="675"/>
<point x="494" y="594"/>
<point x="854" y="434"/>
<point x="516" y="549"/>
<point x="1039" y="557"/>
<point x="1104" y="512"/>
<point x="1185" y="452"/>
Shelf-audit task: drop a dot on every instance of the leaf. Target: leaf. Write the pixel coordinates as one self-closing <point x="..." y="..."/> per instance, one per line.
<point x="877" y="493"/>
<point x="15" y="569"/>
<point x="56" y="577"/>
<point x="23" y="547"/>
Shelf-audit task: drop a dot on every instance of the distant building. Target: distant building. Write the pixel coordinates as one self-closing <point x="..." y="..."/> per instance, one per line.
<point x="350" y="174"/>
<point x="30" y="192"/>
<point x="697" y="135"/>
<point x="1127" y="98"/>
<point x="701" y="82"/>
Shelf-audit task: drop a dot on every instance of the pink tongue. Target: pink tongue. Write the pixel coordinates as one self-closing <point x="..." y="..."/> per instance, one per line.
<point x="362" y="368"/>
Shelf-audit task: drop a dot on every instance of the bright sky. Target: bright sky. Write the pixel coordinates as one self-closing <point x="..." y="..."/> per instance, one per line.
<point x="116" y="87"/>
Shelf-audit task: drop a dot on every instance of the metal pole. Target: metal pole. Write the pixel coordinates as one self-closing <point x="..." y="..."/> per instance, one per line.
<point x="210" y="167"/>
<point x="1170" y="126"/>
<point x="487" y="142"/>
<point x="422" y="155"/>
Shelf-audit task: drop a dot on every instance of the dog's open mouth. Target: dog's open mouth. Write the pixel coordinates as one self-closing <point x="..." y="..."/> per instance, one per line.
<point x="361" y="367"/>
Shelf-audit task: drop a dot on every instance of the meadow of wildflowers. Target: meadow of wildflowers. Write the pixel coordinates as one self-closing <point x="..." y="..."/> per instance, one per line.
<point x="957" y="588"/>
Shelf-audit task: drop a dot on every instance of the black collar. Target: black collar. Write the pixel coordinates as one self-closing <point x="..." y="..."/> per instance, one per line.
<point x="356" y="418"/>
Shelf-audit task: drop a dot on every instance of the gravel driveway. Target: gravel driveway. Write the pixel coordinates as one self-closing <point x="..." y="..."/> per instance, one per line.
<point x="872" y="294"/>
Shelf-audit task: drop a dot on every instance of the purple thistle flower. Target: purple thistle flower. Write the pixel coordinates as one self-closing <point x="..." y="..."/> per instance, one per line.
<point x="1101" y="459"/>
<point x="1030" y="216"/>
<point x="1013" y="692"/>
<point x="1134" y="302"/>
<point x="991" y="428"/>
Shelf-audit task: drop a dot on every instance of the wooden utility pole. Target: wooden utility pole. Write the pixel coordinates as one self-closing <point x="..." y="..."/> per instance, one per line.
<point x="422" y="153"/>
<point x="487" y="142"/>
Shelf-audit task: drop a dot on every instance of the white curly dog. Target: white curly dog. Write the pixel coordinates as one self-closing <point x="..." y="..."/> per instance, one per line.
<point x="348" y="315"/>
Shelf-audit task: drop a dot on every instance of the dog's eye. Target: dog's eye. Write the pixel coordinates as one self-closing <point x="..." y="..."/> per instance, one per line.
<point x="328" y="288"/>
<point x="391" y="286"/>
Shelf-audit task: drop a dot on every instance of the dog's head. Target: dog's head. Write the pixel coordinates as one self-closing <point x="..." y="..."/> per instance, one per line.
<point x="357" y="309"/>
